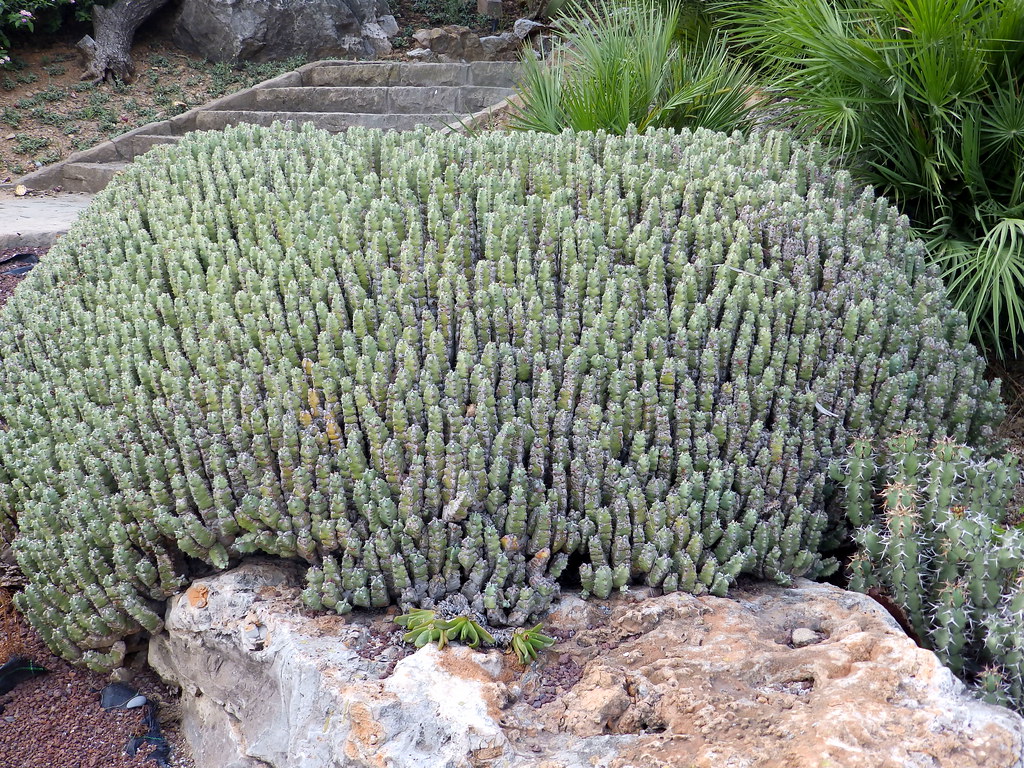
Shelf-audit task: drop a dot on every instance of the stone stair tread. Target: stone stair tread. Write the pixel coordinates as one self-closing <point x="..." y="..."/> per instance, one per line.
<point x="35" y="222"/>
<point x="498" y="73"/>
<point x="117" y="165"/>
<point x="394" y="99"/>
<point x="160" y="138"/>
<point x="90" y="168"/>
<point x="80" y="176"/>
<point x="328" y="121"/>
<point x="141" y="143"/>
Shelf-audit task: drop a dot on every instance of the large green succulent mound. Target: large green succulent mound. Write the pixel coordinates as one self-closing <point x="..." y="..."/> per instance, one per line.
<point x="428" y="364"/>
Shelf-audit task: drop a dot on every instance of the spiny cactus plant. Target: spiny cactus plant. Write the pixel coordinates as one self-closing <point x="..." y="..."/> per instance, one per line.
<point x="930" y="533"/>
<point x="429" y="365"/>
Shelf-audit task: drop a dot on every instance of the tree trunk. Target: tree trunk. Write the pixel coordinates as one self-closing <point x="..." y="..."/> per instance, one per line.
<point x="109" y="56"/>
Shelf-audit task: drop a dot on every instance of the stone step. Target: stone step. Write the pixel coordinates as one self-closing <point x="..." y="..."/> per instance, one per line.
<point x="398" y="99"/>
<point x="35" y="222"/>
<point x="139" y="144"/>
<point x="89" y="177"/>
<point x="328" y="121"/>
<point x="502" y="74"/>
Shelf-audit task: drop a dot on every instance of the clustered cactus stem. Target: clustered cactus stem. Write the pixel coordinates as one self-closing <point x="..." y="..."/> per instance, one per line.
<point x="432" y="365"/>
<point x="930" y="529"/>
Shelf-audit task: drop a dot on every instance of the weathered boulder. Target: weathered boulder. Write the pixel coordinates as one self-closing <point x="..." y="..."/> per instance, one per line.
<point x="771" y="678"/>
<point x="451" y="43"/>
<point x="261" y="30"/>
<point x="502" y="47"/>
<point x="523" y="28"/>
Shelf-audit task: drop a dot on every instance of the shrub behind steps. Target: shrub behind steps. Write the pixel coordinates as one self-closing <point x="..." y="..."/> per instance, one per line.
<point x="432" y="364"/>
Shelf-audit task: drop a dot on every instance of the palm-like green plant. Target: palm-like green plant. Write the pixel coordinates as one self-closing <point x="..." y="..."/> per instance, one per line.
<point x="923" y="99"/>
<point x="622" y="65"/>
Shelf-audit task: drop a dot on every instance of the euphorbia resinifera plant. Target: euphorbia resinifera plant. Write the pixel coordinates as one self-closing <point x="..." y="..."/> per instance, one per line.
<point x="433" y="364"/>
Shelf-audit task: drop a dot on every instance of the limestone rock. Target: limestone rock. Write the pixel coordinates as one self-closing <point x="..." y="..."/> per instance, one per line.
<point x="503" y="47"/>
<point x="639" y="680"/>
<point x="261" y="30"/>
<point x="523" y="28"/>
<point x="421" y="54"/>
<point x="803" y="636"/>
<point x="455" y="43"/>
<point x="452" y="43"/>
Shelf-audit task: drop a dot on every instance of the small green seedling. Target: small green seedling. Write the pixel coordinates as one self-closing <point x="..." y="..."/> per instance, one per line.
<point x="526" y="643"/>
<point x="423" y="628"/>
<point x="467" y="631"/>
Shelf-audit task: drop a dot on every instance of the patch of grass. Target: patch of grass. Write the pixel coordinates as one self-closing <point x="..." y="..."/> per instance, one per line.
<point x="11" y="117"/>
<point x="49" y="117"/>
<point x="404" y="37"/>
<point x="27" y="78"/>
<point x="157" y="61"/>
<point x="444" y="12"/>
<point x="164" y="95"/>
<point x="227" y="78"/>
<point x="53" y="94"/>
<point x="27" y="145"/>
<point x="55" y="70"/>
<point x="110" y="124"/>
<point x="8" y="83"/>
<point x="94" y="112"/>
<point x="49" y="95"/>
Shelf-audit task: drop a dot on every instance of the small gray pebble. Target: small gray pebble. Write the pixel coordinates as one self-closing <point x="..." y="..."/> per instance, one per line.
<point x="803" y="636"/>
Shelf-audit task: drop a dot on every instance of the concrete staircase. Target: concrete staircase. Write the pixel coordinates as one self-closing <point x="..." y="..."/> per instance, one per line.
<point x="332" y="95"/>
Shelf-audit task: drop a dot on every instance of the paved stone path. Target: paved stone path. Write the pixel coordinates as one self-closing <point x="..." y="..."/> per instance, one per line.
<point x="35" y="221"/>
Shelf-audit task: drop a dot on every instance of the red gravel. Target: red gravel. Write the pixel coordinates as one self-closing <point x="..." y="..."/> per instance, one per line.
<point x="55" y="720"/>
<point x="7" y="282"/>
